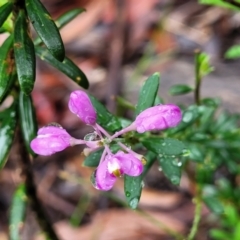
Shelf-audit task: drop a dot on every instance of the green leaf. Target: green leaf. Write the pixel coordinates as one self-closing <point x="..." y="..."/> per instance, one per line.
<point x="104" y="117"/>
<point x="5" y="10"/>
<point x="7" y="130"/>
<point x="45" y="28"/>
<point x="150" y="157"/>
<point x="17" y="213"/>
<point x="67" y="67"/>
<point x="24" y="54"/>
<point x="219" y="3"/>
<point x="203" y="64"/>
<point x="213" y="204"/>
<point x="236" y="232"/>
<point x="92" y="160"/>
<point x="164" y="146"/>
<point x="7" y="67"/>
<point x="171" y="168"/>
<point x="68" y="17"/>
<point x="179" y="89"/>
<point x="63" y="20"/>
<point x="148" y="93"/>
<point x="28" y="120"/>
<point x="133" y="190"/>
<point x="211" y="199"/>
<point x="218" y="234"/>
<point x="233" y="52"/>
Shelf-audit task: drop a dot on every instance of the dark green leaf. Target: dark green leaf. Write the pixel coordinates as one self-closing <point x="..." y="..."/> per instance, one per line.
<point x="92" y="160"/>
<point x="45" y="28"/>
<point x="171" y="168"/>
<point x="165" y="146"/>
<point x="67" y="67"/>
<point x="24" y="54"/>
<point x="132" y="189"/>
<point x="5" y="10"/>
<point x="7" y="67"/>
<point x="7" y="130"/>
<point x="17" y="213"/>
<point x="148" y="93"/>
<point x="150" y="157"/>
<point x="233" y="52"/>
<point x="64" y="19"/>
<point x="28" y="120"/>
<point x="180" y="89"/>
<point x="104" y="117"/>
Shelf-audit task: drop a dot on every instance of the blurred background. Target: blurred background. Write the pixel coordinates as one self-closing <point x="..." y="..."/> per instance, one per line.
<point x="118" y="44"/>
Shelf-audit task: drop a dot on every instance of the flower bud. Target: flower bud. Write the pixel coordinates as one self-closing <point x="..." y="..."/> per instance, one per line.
<point x="158" y="117"/>
<point x="81" y="105"/>
<point x="50" y="139"/>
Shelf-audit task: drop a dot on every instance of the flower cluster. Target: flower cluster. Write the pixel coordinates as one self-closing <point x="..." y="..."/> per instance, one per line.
<point x="53" y="138"/>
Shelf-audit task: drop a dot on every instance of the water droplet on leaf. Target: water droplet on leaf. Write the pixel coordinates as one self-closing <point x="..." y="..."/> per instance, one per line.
<point x="187" y="117"/>
<point x="133" y="203"/>
<point x="128" y="194"/>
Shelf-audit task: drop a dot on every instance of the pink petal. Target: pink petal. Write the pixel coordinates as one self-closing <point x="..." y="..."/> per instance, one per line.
<point x="104" y="180"/>
<point x="158" y="118"/>
<point x="81" y="105"/>
<point x="130" y="165"/>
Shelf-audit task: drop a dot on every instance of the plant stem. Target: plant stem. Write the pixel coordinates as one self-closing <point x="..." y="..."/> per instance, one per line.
<point x="197" y="78"/>
<point x="197" y="214"/>
<point x="36" y="205"/>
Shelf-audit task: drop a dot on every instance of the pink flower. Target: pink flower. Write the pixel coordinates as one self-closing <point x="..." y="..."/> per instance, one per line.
<point x="81" y="105"/>
<point x="158" y="117"/>
<point x="50" y="139"/>
<point x="115" y="166"/>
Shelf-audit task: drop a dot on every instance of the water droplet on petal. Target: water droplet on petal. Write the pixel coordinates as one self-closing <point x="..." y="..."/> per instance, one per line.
<point x="54" y="124"/>
<point x="133" y="203"/>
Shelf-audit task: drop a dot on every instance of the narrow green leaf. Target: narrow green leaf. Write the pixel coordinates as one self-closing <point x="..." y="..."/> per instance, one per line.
<point x="24" y="54"/>
<point x="17" y="213"/>
<point x="7" y="67"/>
<point x="104" y="117"/>
<point x="171" y="168"/>
<point x="219" y="3"/>
<point x="5" y="10"/>
<point x="63" y="20"/>
<point x="150" y="157"/>
<point x="66" y="66"/>
<point x="179" y="89"/>
<point x="233" y="52"/>
<point x="68" y="17"/>
<point x="7" y="130"/>
<point x="45" y="28"/>
<point x="165" y="146"/>
<point x="28" y="120"/>
<point x="148" y="93"/>
<point x="133" y="190"/>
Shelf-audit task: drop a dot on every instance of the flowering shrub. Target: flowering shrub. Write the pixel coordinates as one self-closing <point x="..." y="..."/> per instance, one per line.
<point x="53" y="138"/>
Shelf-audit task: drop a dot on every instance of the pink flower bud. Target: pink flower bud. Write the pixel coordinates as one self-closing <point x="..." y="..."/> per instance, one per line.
<point x="81" y="105"/>
<point x="158" y="117"/>
<point x="50" y="139"/>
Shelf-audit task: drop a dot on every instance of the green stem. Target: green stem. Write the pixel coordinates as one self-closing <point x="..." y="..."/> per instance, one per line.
<point x="197" y="78"/>
<point x="197" y="214"/>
